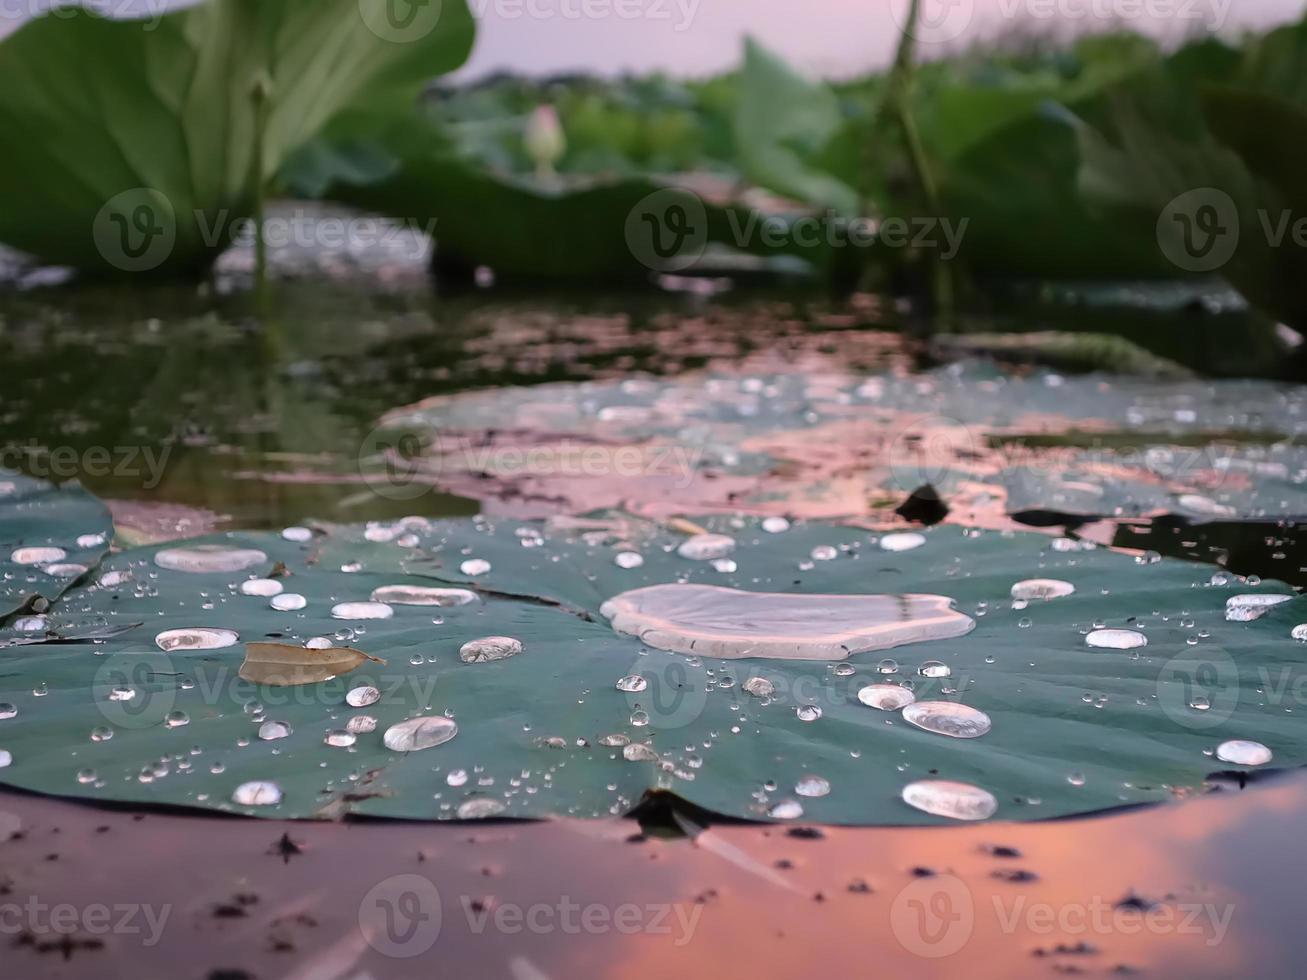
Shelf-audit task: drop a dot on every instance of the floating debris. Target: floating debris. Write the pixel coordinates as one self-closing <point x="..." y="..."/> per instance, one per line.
<point x="759" y="687"/>
<point x="288" y="665"/>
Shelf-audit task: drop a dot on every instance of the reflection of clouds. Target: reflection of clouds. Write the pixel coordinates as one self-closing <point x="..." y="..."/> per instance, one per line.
<point x="1225" y="852"/>
<point x="750" y="917"/>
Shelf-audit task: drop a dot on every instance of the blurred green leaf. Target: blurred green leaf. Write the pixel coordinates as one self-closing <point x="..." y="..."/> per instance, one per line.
<point x="130" y="142"/>
<point x="782" y="122"/>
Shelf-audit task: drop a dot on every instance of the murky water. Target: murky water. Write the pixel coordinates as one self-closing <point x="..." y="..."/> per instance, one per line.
<point x="177" y="395"/>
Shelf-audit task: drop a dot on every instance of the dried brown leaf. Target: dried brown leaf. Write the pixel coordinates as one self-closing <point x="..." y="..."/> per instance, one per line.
<point x="287" y="665"/>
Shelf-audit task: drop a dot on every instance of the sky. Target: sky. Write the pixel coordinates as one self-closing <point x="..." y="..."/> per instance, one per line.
<point x="826" y="37"/>
<point x="833" y="38"/>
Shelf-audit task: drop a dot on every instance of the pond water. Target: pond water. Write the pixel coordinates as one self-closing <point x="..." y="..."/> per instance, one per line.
<point x="190" y="412"/>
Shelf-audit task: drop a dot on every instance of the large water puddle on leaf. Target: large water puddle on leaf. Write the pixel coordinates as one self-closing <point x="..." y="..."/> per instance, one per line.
<point x="713" y="621"/>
